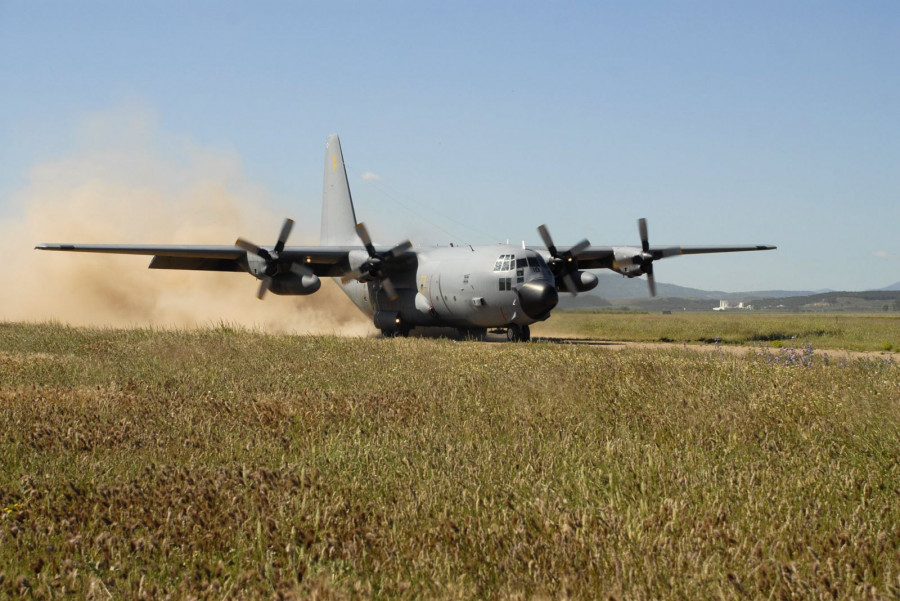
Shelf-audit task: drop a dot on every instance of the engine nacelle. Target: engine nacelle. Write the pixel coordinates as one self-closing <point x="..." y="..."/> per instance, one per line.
<point x="293" y="284"/>
<point x="632" y="271"/>
<point x="583" y="280"/>
<point x="628" y="261"/>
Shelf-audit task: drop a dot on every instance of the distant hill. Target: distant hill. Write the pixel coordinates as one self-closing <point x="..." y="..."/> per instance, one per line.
<point x="617" y="292"/>
<point x="612" y="287"/>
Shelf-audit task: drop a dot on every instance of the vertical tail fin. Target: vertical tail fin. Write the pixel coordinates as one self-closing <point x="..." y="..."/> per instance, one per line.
<point x="338" y="216"/>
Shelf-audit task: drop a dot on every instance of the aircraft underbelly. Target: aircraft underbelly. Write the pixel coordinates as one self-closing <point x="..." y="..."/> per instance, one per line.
<point x="359" y="293"/>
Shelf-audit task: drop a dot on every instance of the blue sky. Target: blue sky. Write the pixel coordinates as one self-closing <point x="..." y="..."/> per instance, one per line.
<point x="720" y="122"/>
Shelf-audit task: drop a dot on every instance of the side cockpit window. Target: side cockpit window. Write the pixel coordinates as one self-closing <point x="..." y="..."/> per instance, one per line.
<point x="505" y="263"/>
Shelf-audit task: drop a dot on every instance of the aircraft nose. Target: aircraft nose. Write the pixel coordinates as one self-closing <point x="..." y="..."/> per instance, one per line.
<point x="537" y="298"/>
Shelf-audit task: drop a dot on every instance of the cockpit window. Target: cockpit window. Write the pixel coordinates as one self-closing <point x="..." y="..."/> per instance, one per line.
<point x="505" y="263"/>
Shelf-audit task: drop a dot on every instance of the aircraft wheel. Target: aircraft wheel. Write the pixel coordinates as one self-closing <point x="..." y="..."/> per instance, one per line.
<point x="517" y="333"/>
<point x="401" y="333"/>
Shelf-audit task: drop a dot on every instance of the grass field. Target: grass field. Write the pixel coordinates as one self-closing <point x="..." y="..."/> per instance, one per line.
<point x="856" y="332"/>
<point x="230" y="464"/>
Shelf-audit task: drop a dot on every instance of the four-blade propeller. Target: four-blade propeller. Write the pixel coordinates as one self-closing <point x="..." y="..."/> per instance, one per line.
<point x="646" y="258"/>
<point x="374" y="267"/>
<point x="563" y="264"/>
<point x="274" y="263"/>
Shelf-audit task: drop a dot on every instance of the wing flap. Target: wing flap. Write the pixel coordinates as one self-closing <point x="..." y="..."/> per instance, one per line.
<point x="196" y="263"/>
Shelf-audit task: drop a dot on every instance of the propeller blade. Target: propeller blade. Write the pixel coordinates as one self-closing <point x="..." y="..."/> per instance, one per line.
<point x="400" y="248"/>
<point x="263" y="287"/>
<point x="579" y="248"/>
<point x="350" y="276"/>
<point x="642" y="227"/>
<point x="570" y="284"/>
<point x="651" y="281"/>
<point x="248" y="246"/>
<point x="389" y="289"/>
<point x="283" y="236"/>
<point x="363" y="234"/>
<point x="548" y="241"/>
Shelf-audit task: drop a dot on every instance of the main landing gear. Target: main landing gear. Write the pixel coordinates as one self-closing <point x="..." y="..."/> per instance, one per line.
<point x="517" y="333"/>
<point x="395" y="333"/>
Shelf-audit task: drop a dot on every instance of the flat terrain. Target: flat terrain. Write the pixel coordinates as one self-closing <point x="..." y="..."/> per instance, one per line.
<point x="854" y="332"/>
<point x="229" y="464"/>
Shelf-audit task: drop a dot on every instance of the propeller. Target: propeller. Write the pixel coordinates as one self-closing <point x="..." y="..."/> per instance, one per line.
<point x="646" y="258"/>
<point x="373" y="267"/>
<point x="563" y="264"/>
<point x="274" y="264"/>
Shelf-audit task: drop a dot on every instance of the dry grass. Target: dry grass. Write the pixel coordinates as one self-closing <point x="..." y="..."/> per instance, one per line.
<point x="856" y="332"/>
<point x="225" y="463"/>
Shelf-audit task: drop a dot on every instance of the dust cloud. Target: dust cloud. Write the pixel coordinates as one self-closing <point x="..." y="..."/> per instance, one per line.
<point x="127" y="182"/>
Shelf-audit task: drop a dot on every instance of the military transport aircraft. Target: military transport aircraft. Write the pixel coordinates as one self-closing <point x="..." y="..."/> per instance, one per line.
<point x="471" y="288"/>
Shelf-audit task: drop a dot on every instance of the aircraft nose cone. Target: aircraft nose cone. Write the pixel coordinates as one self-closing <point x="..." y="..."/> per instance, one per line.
<point x="537" y="298"/>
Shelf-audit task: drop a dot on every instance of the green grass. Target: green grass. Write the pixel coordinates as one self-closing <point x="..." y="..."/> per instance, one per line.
<point x="226" y="463"/>
<point x="857" y="332"/>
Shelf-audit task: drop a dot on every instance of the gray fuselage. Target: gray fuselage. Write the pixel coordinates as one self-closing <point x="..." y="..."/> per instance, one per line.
<point x="457" y="286"/>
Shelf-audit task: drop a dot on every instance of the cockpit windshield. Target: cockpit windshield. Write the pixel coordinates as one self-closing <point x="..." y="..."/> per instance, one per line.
<point x="527" y="262"/>
<point x="505" y="263"/>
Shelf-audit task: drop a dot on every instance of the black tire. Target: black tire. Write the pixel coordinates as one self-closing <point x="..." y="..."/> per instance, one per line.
<point x="517" y="333"/>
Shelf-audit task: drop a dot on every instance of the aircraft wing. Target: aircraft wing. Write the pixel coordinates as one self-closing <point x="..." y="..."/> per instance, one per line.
<point x="600" y="257"/>
<point x="324" y="261"/>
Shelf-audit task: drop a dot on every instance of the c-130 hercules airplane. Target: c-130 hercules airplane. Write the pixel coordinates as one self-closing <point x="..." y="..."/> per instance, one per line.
<point x="471" y="288"/>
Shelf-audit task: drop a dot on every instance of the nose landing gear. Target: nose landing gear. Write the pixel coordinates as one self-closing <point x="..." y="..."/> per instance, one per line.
<point x="517" y="333"/>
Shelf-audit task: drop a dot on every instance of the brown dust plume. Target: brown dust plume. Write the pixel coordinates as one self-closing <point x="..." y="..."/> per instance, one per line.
<point x="128" y="183"/>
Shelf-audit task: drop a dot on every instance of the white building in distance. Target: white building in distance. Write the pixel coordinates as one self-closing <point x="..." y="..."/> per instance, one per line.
<point x="725" y="305"/>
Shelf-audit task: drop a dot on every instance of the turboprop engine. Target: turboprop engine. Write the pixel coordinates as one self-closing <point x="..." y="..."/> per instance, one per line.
<point x="295" y="284"/>
<point x="633" y="262"/>
<point x="581" y="280"/>
<point x="628" y="262"/>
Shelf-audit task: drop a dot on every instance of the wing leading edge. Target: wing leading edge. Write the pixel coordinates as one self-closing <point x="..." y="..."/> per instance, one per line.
<point x="323" y="261"/>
